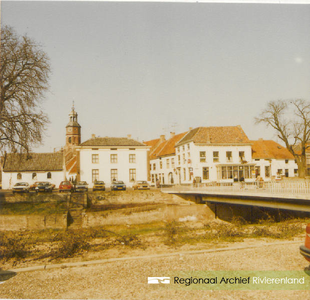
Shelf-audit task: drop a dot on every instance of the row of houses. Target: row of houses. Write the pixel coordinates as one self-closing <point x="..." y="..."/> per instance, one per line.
<point x="221" y="154"/>
<point x="204" y="154"/>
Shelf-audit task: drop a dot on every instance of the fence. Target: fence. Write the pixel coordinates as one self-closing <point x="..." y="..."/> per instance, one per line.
<point x="281" y="187"/>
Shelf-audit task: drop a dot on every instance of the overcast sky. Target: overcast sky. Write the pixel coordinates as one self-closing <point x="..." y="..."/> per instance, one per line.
<point x="146" y="69"/>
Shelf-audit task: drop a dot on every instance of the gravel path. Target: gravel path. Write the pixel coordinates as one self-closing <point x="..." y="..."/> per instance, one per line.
<point x="128" y="279"/>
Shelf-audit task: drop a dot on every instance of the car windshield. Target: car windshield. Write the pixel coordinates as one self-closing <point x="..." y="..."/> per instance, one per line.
<point x="119" y="182"/>
<point x="66" y="183"/>
<point x="82" y="182"/>
<point x="21" y="184"/>
<point x="99" y="182"/>
<point x="142" y="182"/>
<point x="43" y="183"/>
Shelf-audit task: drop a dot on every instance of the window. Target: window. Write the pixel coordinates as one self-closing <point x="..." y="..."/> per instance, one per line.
<point x="178" y="149"/>
<point x="49" y="175"/>
<point x="113" y="175"/>
<point x="228" y="155"/>
<point x="179" y="159"/>
<point x="188" y="146"/>
<point x="215" y="156"/>
<point x="184" y="160"/>
<point x="286" y="173"/>
<point x="132" y="158"/>
<point x="160" y="164"/>
<point x="172" y="162"/>
<point x="286" y="161"/>
<point x="229" y="172"/>
<point x="154" y="166"/>
<point x="280" y="171"/>
<point x="205" y="173"/>
<point x="241" y="155"/>
<point x="95" y="158"/>
<point x="95" y="175"/>
<point x="113" y="158"/>
<point x="168" y="163"/>
<point x="34" y="175"/>
<point x="132" y="174"/>
<point x="202" y="156"/>
<point x="267" y="171"/>
<point x="183" y="148"/>
<point x="19" y="175"/>
<point x="70" y="140"/>
<point x="184" y="174"/>
<point x="257" y="171"/>
<point x="153" y="179"/>
<point x="188" y="154"/>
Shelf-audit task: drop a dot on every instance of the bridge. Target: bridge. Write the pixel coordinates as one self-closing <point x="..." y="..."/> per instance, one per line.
<point x="290" y="196"/>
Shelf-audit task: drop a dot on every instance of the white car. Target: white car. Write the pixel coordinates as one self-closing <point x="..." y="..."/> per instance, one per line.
<point x="21" y="187"/>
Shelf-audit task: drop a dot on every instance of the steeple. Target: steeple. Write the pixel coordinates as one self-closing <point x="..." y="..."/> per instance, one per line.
<point x="73" y="129"/>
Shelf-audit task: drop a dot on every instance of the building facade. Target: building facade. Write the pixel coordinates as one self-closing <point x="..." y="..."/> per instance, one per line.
<point x="32" y="167"/>
<point x="110" y="158"/>
<point x="273" y="160"/>
<point x="208" y="154"/>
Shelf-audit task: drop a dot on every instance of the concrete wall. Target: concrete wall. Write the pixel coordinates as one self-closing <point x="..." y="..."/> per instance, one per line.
<point x="31" y="222"/>
<point x="161" y="213"/>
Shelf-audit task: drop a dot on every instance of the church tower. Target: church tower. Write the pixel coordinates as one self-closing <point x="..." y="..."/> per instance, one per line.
<point x="73" y="130"/>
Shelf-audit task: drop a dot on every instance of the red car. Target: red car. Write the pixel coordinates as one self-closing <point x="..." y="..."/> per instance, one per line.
<point x="66" y="186"/>
<point x="305" y="249"/>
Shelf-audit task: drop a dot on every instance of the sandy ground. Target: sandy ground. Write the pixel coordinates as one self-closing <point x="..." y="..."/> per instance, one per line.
<point x="128" y="279"/>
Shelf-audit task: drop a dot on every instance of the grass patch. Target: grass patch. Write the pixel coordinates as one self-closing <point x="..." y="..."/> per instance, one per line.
<point x="33" y="208"/>
<point x="55" y="244"/>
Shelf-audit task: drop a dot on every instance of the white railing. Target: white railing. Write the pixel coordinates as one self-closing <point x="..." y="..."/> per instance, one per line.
<point x="281" y="187"/>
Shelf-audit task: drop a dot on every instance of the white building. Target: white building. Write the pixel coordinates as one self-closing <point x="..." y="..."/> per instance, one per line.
<point x="271" y="159"/>
<point x="32" y="167"/>
<point x="162" y="163"/>
<point x="221" y="154"/>
<point x="112" y="158"/>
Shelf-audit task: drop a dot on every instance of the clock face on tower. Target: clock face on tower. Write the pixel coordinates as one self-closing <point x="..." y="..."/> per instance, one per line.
<point x="69" y="129"/>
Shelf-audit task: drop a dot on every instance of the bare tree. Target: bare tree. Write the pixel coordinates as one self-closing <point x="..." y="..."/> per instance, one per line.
<point x="24" y="77"/>
<point x="291" y="121"/>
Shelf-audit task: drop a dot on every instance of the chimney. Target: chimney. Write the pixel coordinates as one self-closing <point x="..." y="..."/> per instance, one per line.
<point x="162" y="138"/>
<point x="129" y="136"/>
<point x="172" y="134"/>
<point x="208" y="138"/>
<point x="93" y="136"/>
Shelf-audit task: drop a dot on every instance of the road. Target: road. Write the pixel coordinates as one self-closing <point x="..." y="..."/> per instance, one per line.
<point x="128" y="279"/>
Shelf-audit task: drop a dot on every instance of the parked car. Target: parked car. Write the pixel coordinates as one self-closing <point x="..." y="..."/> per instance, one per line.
<point x="141" y="185"/>
<point x="81" y="186"/>
<point x="21" y="187"/>
<point x="305" y="249"/>
<point x="99" y="186"/>
<point x="118" y="185"/>
<point x="65" y="186"/>
<point x="34" y="185"/>
<point x="44" y="186"/>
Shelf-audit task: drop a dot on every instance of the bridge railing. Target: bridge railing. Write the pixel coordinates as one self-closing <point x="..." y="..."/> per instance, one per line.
<point x="281" y="187"/>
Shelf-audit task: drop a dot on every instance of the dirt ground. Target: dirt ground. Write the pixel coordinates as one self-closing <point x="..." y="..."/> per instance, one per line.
<point x="127" y="279"/>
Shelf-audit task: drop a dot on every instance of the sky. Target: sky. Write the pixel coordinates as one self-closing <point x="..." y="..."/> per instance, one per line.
<point x="147" y="69"/>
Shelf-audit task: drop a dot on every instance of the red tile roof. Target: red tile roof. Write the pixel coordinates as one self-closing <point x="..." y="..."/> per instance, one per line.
<point x="168" y="147"/>
<point x="161" y="147"/>
<point x="269" y="150"/>
<point x="216" y="135"/>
